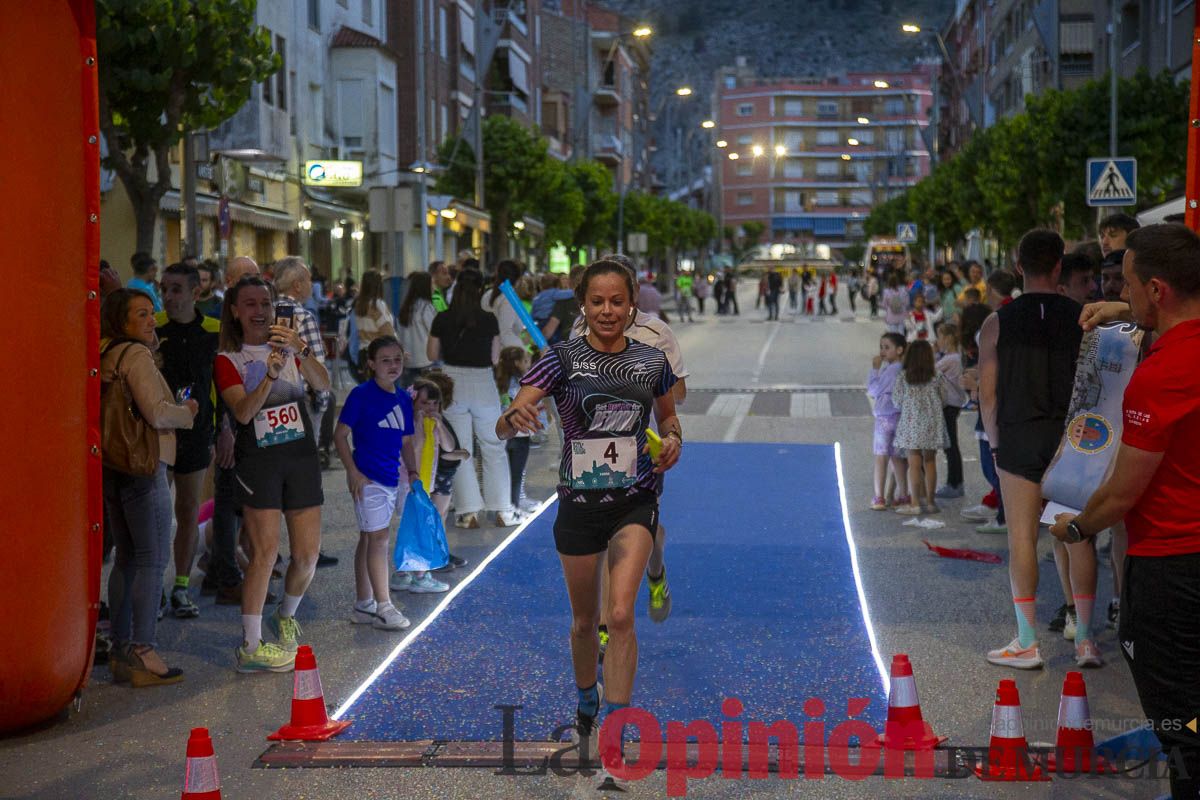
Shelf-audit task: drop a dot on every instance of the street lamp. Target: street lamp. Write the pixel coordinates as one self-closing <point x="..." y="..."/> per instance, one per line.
<point x="908" y="27"/>
<point x="684" y="91"/>
<point x="722" y="143"/>
<point x="852" y="142"/>
<point x="756" y="150"/>
<point x="881" y="84"/>
<point x="733" y="156"/>
<point x="708" y="124"/>
<point x="780" y="150"/>
<point x="864" y="121"/>
<point x="845" y="156"/>
<point x="643" y="31"/>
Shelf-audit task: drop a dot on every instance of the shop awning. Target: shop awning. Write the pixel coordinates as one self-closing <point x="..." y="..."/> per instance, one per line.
<point x="323" y="205"/>
<point x="254" y="216"/>
<point x="471" y="216"/>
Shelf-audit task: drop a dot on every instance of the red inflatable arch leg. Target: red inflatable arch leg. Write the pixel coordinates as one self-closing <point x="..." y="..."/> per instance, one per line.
<point x="50" y="523"/>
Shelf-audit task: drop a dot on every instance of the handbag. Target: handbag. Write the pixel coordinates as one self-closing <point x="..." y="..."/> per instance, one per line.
<point x="127" y="442"/>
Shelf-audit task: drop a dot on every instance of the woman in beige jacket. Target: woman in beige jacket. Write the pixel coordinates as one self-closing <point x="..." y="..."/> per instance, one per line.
<point x="137" y="508"/>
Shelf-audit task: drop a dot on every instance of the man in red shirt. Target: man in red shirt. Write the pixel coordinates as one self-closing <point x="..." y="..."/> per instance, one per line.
<point x="1155" y="487"/>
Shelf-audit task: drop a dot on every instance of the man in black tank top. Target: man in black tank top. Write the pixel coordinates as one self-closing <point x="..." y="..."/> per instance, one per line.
<point x="1027" y="354"/>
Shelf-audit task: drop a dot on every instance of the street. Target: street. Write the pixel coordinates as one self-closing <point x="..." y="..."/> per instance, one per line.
<point x="798" y="381"/>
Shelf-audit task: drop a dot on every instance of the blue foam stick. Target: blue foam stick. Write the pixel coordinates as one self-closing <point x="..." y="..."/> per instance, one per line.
<point x="535" y="333"/>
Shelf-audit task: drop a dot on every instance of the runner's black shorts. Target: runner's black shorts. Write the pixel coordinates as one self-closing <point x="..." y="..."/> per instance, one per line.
<point x="190" y="457"/>
<point x="287" y="484"/>
<point x="1027" y="450"/>
<point x="584" y="529"/>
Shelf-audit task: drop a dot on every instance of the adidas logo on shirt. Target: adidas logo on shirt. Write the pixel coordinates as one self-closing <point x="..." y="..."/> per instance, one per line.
<point x="394" y="420"/>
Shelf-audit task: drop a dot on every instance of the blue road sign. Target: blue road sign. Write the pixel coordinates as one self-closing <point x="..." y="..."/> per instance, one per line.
<point x="906" y="232"/>
<point x="1111" y="181"/>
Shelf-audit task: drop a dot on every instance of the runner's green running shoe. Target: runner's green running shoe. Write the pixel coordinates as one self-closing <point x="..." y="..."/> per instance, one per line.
<point x="660" y="597"/>
<point x="286" y="630"/>
<point x="603" y="643"/>
<point x="269" y="657"/>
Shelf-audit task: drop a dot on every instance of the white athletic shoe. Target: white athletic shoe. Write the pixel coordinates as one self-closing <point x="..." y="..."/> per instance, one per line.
<point x="1013" y="655"/>
<point x="508" y="519"/>
<point x="364" y="616"/>
<point x="979" y="513"/>
<point x="400" y="582"/>
<point x="427" y="584"/>
<point x="388" y="618"/>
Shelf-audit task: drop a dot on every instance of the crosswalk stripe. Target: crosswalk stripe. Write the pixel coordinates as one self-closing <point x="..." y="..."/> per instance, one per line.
<point x="810" y="404"/>
<point x="731" y="405"/>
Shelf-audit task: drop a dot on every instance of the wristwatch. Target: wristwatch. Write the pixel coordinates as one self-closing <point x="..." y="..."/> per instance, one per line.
<point x="1074" y="533"/>
<point x="305" y="352"/>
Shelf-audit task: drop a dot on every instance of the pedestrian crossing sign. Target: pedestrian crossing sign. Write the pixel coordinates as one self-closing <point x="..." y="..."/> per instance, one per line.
<point x="1111" y="181"/>
<point x="906" y="232"/>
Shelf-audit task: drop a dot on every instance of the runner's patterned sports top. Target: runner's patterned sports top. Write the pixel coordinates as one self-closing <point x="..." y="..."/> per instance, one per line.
<point x="603" y="399"/>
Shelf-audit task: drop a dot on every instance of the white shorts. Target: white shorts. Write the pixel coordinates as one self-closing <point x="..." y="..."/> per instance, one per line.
<point x="374" y="511"/>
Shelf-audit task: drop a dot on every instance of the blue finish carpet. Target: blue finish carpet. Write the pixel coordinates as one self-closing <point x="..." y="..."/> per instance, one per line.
<point x="764" y="609"/>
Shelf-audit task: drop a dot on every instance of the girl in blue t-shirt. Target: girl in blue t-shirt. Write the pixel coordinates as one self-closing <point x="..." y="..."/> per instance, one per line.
<point x="379" y="470"/>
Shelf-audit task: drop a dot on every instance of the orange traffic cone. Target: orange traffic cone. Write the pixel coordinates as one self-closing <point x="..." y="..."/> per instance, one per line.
<point x="200" y="778"/>
<point x="1008" y="756"/>
<point x="905" y="728"/>
<point x="1075" y="749"/>
<point x="309" y="721"/>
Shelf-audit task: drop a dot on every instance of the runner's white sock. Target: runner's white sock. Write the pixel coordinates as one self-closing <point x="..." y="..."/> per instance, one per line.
<point x="366" y="605"/>
<point x="289" y="605"/>
<point x="251" y="632"/>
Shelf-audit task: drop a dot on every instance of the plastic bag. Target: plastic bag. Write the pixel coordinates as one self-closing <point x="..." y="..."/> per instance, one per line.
<point x="421" y="537"/>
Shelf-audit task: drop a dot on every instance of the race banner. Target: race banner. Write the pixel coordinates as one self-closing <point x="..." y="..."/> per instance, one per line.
<point x="1107" y="358"/>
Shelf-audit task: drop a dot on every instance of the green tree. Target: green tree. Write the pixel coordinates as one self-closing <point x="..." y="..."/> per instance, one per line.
<point x="596" y="229"/>
<point x="742" y="245"/>
<point x="168" y="67"/>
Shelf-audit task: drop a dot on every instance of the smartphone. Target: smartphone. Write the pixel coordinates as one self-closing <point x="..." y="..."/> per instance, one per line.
<point x="184" y="394"/>
<point x="654" y="441"/>
<point x="285" y="315"/>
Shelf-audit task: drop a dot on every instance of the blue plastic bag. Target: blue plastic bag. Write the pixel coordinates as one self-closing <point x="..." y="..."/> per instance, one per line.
<point x="421" y="537"/>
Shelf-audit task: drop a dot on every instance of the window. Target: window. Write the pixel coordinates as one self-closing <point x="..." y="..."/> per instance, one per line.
<point x="896" y="140"/>
<point x="745" y="138"/>
<point x="730" y="82"/>
<point x="793" y="108"/>
<point x="793" y="168"/>
<point x="793" y="141"/>
<point x="865" y="137"/>
<point x="745" y="109"/>
<point x="862" y="171"/>
<point x="314" y="15"/>
<point x="443" y="39"/>
<point x="827" y="108"/>
<point x="268" y="90"/>
<point x="316" y="115"/>
<point x="827" y="199"/>
<point x="860" y="197"/>
<point x="387" y="120"/>
<point x="793" y="201"/>
<point x="745" y="198"/>
<point x="281" y="76"/>
<point x="1131" y="25"/>
<point x="444" y="131"/>
<point x="894" y="107"/>
<point x="745" y="168"/>
<point x="350" y="113"/>
<point x="827" y="168"/>
<point x="827" y="138"/>
<point x="367" y="16"/>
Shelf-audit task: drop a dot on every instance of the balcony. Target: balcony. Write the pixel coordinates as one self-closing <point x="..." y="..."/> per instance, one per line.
<point x="256" y="127"/>
<point x="607" y="148"/>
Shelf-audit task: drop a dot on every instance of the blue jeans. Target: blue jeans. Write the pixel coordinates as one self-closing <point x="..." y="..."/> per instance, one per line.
<point x="989" y="472"/>
<point x="138" y="509"/>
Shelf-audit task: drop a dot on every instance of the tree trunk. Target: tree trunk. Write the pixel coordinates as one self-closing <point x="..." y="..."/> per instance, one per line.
<point x="499" y="241"/>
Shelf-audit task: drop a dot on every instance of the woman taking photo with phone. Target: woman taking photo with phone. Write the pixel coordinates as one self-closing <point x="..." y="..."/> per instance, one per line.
<point x="260" y="373"/>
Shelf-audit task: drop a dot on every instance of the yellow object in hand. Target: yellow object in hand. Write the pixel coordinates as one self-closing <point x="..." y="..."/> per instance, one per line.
<point x="654" y="441"/>
<point x="428" y="454"/>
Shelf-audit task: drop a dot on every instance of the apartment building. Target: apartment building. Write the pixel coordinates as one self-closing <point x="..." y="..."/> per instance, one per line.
<point x="810" y="157"/>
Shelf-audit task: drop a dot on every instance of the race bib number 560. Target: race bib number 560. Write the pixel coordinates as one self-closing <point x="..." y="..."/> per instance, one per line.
<point x="608" y="463"/>
<point x="278" y="425"/>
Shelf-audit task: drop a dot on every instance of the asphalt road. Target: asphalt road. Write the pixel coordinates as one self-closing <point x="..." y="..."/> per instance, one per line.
<point x="752" y="381"/>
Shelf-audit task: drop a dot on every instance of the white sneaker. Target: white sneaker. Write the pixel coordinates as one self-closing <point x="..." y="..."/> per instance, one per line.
<point x="427" y="584"/>
<point x="1069" y="622"/>
<point x="364" y="616"/>
<point x="400" y="582"/>
<point x="467" y="521"/>
<point x="507" y="519"/>
<point x="979" y="513"/>
<point x="528" y="506"/>
<point x="388" y="618"/>
<point x="1016" y="656"/>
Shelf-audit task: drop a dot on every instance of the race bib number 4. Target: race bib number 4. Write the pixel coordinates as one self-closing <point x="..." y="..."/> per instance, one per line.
<point x="278" y="425"/>
<point x="609" y="463"/>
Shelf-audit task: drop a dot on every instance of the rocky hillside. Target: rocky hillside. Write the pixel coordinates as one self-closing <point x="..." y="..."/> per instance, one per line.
<point x="778" y="37"/>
